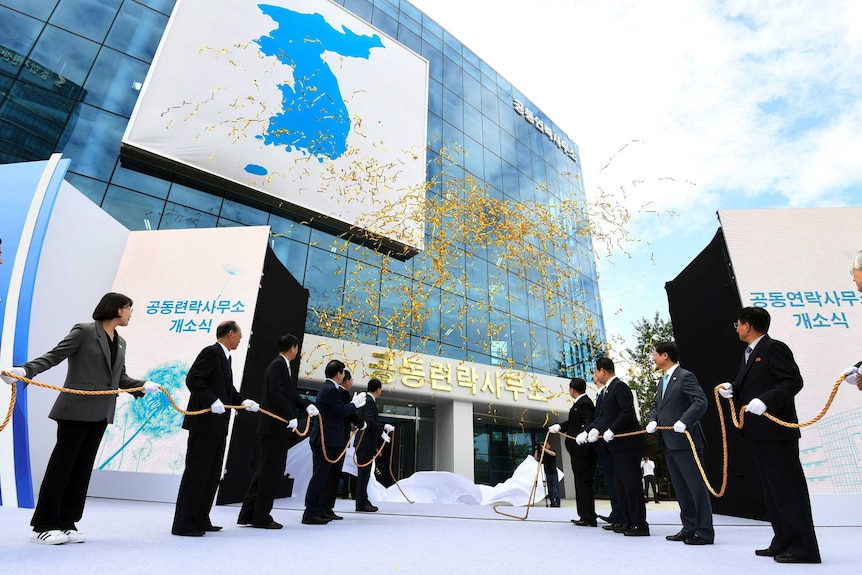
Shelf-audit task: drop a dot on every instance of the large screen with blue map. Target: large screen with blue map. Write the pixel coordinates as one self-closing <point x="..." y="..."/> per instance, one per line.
<point x="298" y="101"/>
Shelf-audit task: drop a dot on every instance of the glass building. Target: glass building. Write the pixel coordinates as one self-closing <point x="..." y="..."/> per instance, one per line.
<point x="71" y="72"/>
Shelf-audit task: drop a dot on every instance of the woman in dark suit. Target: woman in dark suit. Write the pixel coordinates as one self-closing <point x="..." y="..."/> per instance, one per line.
<point x="97" y="361"/>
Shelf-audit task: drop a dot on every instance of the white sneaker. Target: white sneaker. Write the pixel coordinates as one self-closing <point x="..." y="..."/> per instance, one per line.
<point x="53" y="537"/>
<point x="75" y="536"/>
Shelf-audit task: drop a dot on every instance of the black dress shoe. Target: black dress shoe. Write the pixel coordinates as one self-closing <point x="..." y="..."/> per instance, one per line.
<point x="791" y="558"/>
<point x="620" y="527"/>
<point x="697" y="540"/>
<point x="314" y="520"/>
<point x="768" y="552"/>
<point x="637" y="531"/>
<point x="270" y="525"/>
<point x="331" y="515"/>
<point x="604" y="518"/>
<point x="367" y="508"/>
<point x="213" y="528"/>
<point x="582" y="523"/>
<point x="681" y="536"/>
<point x="188" y="533"/>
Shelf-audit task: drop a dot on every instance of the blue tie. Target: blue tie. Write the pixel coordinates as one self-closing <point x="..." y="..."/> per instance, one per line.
<point x="664" y="380"/>
<point x="748" y="351"/>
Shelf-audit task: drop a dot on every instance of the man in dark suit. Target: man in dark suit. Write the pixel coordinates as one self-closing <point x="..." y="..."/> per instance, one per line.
<point x="582" y="455"/>
<point x="327" y="440"/>
<point x="280" y="397"/>
<point x="366" y="444"/>
<point x="680" y="403"/>
<point x="603" y="456"/>
<point x="210" y="381"/>
<point x="768" y="380"/>
<point x="330" y="491"/>
<point x="619" y="417"/>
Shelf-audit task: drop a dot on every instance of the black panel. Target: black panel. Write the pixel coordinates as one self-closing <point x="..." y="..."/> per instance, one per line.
<point x="704" y="302"/>
<point x="282" y="304"/>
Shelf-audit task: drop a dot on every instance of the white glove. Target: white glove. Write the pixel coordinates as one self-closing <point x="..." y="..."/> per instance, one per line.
<point x="358" y="399"/>
<point x="851" y="375"/>
<point x="679" y="426"/>
<point x="756" y="407"/>
<point x="608" y="435"/>
<point x="291" y="425"/>
<point x="581" y="439"/>
<point x="250" y="405"/>
<point x="364" y="425"/>
<point x="19" y="371"/>
<point x="311" y="410"/>
<point x="388" y="427"/>
<point x="650" y="427"/>
<point x="150" y="387"/>
<point x="385" y="437"/>
<point x="555" y="428"/>
<point x="725" y="390"/>
<point x="217" y="407"/>
<point x="593" y="436"/>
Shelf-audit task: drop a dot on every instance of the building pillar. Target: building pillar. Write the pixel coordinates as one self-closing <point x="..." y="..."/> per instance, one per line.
<point x="453" y="450"/>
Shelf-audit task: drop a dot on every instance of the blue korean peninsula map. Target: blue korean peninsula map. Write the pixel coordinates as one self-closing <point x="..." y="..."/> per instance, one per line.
<point x="313" y="118"/>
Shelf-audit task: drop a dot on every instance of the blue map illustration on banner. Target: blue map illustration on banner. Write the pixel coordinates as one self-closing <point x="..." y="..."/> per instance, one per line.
<point x="314" y="118"/>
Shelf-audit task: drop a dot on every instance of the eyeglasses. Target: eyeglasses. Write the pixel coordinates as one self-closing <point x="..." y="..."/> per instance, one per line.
<point x="735" y="325"/>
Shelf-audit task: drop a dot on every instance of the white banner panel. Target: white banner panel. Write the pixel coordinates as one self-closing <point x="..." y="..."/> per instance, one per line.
<point x="795" y="263"/>
<point x="295" y="99"/>
<point x="184" y="283"/>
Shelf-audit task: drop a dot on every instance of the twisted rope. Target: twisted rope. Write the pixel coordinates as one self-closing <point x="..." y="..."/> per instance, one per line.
<point x="533" y="489"/>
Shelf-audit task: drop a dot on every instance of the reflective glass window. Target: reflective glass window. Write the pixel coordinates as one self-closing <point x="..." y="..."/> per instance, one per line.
<point x="410" y="10"/>
<point x="37" y="8"/>
<point x="525" y="162"/>
<point x="478" y="317"/>
<point x="410" y="39"/>
<point x="289" y="228"/>
<point x="472" y="122"/>
<point x="163" y="6"/>
<point x="63" y="54"/>
<point x="511" y="182"/>
<point x="183" y="217"/>
<point x="472" y="91"/>
<point x="517" y="296"/>
<point x="137" y="31"/>
<point x="149" y="185"/>
<point x="239" y="212"/>
<point x="388" y="6"/>
<point x="474" y="158"/>
<point x="521" y="348"/>
<point x="361" y="291"/>
<point x="432" y="28"/>
<point x="491" y="135"/>
<point x="493" y="170"/>
<point x="435" y="131"/>
<point x="539" y="346"/>
<point x="207" y="203"/>
<point x="508" y="147"/>
<point x="133" y="210"/>
<point x="115" y="82"/>
<point x="18" y="33"/>
<point x="89" y="18"/>
<point x="435" y="97"/>
<point x="93" y="189"/>
<point x="489" y="104"/>
<point x="410" y="23"/>
<point x="453" y="109"/>
<point x="361" y="8"/>
<point x="292" y="254"/>
<point x="324" y="279"/>
<point x="452" y="75"/>
<point x="385" y="22"/>
<point x="94" y="142"/>
<point x="435" y="60"/>
<point x="477" y="277"/>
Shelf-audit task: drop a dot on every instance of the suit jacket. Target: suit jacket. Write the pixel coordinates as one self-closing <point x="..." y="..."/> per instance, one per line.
<point x="371" y="438"/>
<point x="334" y="411"/>
<point x="210" y="378"/>
<point x="86" y="348"/>
<point x="581" y="415"/>
<point x="618" y="415"/>
<point x="771" y="375"/>
<point x="684" y="400"/>
<point x="280" y="397"/>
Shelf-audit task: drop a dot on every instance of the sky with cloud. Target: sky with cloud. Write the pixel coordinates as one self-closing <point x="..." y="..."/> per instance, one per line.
<point x="680" y="109"/>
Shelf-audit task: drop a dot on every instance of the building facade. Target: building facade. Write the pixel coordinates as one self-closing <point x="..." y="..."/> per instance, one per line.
<point x="71" y="72"/>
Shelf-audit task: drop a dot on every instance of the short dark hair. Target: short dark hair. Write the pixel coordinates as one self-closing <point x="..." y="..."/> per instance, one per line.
<point x="225" y="328"/>
<point x="606" y="364"/>
<point x="333" y="367"/>
<point x="669" y="348"/>
<point x="756" y="317"/>
<point x="287" y="341"/>
<point x="347" y="375"/>
<point x="578" y="385"/>
<point x="109" y="306"/>
<point x="374" y="384"/>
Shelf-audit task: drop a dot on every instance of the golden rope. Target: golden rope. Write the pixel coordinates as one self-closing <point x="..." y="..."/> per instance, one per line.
<point x="392" y="475"/>
<point x="533" y="490"/>
<point x="11" y="406"/>
<point x="323" y="442"/>
<point x="375" y="456"/>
